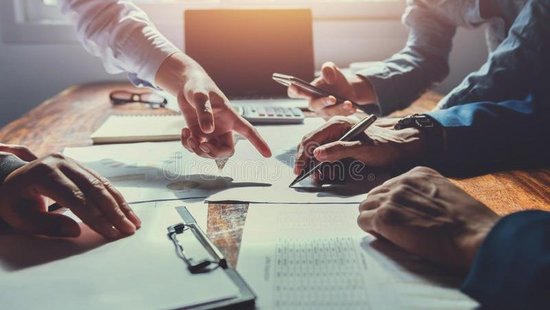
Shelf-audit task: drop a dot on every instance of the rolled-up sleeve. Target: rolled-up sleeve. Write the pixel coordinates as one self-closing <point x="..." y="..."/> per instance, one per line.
<point x="120" y="34"/>
<point x="424" y="61"/>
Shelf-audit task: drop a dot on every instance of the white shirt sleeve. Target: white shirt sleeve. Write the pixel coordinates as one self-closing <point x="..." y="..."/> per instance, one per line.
<point x="120" y="34"/>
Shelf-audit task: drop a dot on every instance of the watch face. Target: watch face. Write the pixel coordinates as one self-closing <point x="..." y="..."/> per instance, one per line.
<point x="424" y="121"/>
<point x="415" y="121"/>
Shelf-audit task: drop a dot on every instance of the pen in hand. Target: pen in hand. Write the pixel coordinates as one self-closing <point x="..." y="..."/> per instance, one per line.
<point x="348" y="136"/>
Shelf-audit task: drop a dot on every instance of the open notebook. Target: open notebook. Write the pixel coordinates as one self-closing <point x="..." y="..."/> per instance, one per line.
<point x="139" y="128"/>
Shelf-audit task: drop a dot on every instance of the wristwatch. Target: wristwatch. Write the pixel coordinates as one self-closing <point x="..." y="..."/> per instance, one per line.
<point x="420" y="121"/>
<point x="432" y="130"/>
<point x="8" y="164"/>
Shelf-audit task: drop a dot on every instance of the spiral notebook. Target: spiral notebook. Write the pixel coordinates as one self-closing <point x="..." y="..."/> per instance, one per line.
<point x="139" y="128"/>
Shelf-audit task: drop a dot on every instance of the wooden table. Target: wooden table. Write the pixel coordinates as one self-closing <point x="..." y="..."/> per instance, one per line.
<point x="70" y="117"/>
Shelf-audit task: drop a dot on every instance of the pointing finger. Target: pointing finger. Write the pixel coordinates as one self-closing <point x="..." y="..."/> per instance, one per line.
<point x="251" y="134"/>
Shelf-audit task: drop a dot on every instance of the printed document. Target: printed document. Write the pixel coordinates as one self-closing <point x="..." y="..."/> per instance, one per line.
<point x="316" y="257"/>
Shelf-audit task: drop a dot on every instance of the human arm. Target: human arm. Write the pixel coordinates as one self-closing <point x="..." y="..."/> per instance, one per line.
<point x="127" y="41"/>
<point x="512" y="267"/>
<point x="517" y="67"/>
<point x="403" y="77"/>
<point x="333" y="80"/>
<point x="466" y="139"/>
<point x="485" y="136"/>
<point x="91" y="197"/>
<point x="399" y="80"/>
<point x="425" y="214"/>
<point x="380" y="146"/>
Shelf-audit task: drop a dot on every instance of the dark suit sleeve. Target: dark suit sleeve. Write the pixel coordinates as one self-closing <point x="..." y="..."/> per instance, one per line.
<point x="512" y="267"/>
<point x="486" y="136"/>
<point x="9" y="163"/>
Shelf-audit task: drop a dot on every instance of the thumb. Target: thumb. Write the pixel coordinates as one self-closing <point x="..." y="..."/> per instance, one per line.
<point x="51" y="224"/>
<point x="338" y="150"/>
<point x="332" y="74"/>
<point x="329" y="72"/>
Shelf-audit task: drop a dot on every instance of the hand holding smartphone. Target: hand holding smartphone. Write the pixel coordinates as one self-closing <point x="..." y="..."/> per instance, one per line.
<point x="288" y="80"/>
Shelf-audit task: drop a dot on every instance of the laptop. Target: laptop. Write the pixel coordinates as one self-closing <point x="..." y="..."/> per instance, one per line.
<point x="241" y="49"/>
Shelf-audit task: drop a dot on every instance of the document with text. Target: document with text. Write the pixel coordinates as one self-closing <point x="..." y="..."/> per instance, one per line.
<point x="165" y="170"/>
<point x="316" y="257"/>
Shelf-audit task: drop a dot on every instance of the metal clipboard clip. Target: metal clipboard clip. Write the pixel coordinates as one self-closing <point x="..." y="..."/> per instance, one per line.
<point x="192" y="265"/>
<point x="245" y="298"/>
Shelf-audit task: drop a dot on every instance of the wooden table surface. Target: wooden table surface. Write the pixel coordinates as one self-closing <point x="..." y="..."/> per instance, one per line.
<point x="70" y="117"/>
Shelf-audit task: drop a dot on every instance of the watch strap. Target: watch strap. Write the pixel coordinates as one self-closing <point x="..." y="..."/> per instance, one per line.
<point x="433" y="132"/>
<point x="8" y="164"/>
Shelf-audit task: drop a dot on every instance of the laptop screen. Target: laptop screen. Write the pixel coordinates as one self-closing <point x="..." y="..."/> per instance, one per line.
<point x="241" y="49"/>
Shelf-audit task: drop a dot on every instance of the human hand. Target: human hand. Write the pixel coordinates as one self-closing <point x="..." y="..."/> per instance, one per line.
<point x="210" y="119"/>
<point x="381" y="146"/>
<point x="425" y="214"/>
<point x="333" y="80"/>
<point x="18" y="150"/>
<point x="89" y="196"/>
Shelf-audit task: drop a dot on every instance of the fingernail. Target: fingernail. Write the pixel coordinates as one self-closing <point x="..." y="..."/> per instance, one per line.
<point x="330" y="101"/>
<point x="207" y="127"/>
<point x="319" y="153"/>
<point x="329" y="76"/>
<point x="204" y="148"/>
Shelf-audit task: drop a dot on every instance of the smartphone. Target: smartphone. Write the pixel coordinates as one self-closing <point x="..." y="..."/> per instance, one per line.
<point x="288" y="80"/>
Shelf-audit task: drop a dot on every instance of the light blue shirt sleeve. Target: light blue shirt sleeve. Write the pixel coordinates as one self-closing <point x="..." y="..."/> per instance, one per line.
<point x="423" y="62"/>
<point x="519" y="66"/>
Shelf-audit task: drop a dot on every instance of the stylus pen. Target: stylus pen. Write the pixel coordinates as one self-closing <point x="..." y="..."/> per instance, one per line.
<point x="348" y="136"/>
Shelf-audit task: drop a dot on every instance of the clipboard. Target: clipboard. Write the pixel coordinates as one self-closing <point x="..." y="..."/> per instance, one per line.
<point x="246" y="298"/>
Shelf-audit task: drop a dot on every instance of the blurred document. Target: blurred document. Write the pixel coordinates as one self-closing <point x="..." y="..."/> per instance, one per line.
<point x="165" y="170"/>
<point x="316" y="257"/>
<point x="138" y="272"/>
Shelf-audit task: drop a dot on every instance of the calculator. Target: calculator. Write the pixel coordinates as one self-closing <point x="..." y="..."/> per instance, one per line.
<point x="270" y="114"/>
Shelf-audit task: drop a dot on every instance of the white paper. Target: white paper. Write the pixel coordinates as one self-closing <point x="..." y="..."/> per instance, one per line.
<point x="151" y="171"/>
<point x="316" y="257"/>
<point x="138" y="272"/>
<point x="165" y="170"/>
